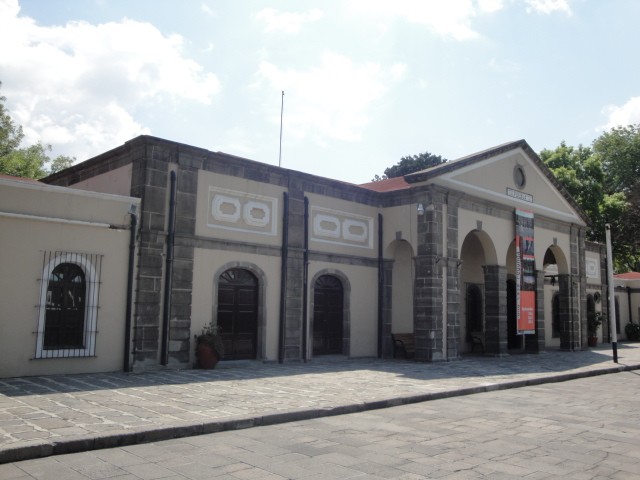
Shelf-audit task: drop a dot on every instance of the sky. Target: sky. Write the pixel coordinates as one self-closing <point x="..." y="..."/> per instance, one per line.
<point x="366" y="82"/>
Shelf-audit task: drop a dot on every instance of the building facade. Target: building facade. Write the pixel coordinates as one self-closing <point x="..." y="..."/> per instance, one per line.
<point x="66" y="256"/>
<point x="292" y="266"/>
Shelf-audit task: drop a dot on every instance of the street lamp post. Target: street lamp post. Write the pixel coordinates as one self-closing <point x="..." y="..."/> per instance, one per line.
<point x="612" y="299"/>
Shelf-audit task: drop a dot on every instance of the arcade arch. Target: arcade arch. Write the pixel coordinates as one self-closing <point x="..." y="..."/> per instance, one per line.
<point x="477" y="251"/>
<point x="402" y="283"/>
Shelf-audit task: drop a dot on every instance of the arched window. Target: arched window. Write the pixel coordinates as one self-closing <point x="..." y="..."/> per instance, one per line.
<point x="68" y="305"/>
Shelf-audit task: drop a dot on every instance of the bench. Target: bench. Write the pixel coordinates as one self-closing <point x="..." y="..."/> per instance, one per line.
<point x="405" y="343"/>
<point x="477" y="338"/>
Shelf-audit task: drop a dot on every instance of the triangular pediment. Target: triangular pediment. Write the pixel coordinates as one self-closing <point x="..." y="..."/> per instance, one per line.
<point x="511" y="174"/>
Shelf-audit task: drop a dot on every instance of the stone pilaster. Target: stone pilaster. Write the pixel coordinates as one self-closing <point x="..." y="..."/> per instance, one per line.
<point x="149" y="182"/>
<point x="428" y="290"/>
<point x="578" y="273"/>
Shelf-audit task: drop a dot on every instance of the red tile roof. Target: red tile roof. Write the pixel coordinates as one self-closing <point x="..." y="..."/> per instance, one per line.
<point x="387" y="185"/>
<point x="19" y="179"/>
<point x="628" y="276"/>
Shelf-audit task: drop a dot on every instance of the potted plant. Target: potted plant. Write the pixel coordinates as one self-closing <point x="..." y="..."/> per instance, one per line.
<point x="209" y="346"/>
<point x="633" y="331"/>
<point x="594" y="321"/>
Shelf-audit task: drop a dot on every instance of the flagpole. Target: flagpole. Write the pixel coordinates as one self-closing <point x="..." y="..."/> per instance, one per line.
<point x="281" y="112"/>
<point x="612" y="298"/>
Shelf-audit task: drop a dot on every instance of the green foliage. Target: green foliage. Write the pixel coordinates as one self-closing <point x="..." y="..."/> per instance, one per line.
<point x="633" y="331"/>
<point x="27" y="162"/>
<point x="594" y="320"/>
<point x="410" y="164"/>
<point x="605" y="181"/>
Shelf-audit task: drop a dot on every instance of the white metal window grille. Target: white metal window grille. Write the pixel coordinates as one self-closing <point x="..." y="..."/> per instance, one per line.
<point x="69" y="304"/>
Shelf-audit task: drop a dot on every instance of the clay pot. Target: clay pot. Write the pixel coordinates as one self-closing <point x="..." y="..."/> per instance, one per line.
<point x="206" y="356"/>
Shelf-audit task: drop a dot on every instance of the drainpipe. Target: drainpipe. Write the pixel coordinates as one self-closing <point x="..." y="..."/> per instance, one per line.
<point x="380" y="287"/>
<point x="283" y="276"/>
<point x="166" y="310"/>
<point x="132" y="256"/>
<point x="629" y="303"/>
<point x="305" y="282"/>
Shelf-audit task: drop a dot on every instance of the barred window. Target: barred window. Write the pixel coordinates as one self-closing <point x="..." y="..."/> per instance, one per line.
<point x="68" y="309"/>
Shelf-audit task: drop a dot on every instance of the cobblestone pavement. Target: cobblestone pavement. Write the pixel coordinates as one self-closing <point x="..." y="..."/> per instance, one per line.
<point x="588" y="428"/>
<point x="41" y="416"/>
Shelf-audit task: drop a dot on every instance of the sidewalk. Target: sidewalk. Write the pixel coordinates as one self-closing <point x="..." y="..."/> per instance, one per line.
<point x="41" y="416"/>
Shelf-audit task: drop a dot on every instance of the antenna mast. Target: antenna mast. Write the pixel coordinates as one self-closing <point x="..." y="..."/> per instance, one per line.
<point x="281" y="112"/>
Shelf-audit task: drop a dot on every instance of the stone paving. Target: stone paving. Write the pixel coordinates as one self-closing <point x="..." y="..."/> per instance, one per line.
<point x="41" y="416"/>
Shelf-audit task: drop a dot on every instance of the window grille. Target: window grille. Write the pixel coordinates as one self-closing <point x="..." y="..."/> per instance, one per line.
<point x="69" y="303"/>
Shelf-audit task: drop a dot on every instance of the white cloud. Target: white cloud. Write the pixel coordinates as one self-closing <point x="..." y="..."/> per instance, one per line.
<point x="207" y="9"/>
<point x="451" y="18"/>
<point x="627" y="114"/>
<point x="287" y="22"/>
<point x="548" y="6"/>
<point x="77" y="86"/>
<point x="332" y="100"/>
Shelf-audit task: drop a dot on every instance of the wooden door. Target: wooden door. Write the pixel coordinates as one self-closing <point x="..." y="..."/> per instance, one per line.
<point x="238" y="313"/>
<point x="328" y="316"/>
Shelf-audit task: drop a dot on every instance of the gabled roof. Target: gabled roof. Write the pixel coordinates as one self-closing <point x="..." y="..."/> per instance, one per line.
<point x="447" y="167"/>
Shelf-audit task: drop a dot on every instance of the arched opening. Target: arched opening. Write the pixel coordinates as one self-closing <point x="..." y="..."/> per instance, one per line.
<point x="474" y="311"/>
<point x="64" y="325"/>
<point x="591" y="309"/>
<point x="557" y="294"/>
<point x="238" y="313"/>
<point x="328" y="319"/>
<point x="555" y="315"/>
<point x="476" y="252"/>
<point x="402" y="288"/>
<point x="513" y="340"/>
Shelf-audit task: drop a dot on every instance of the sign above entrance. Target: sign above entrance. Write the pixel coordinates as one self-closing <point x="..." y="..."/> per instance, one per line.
<point x="519" y="195"/>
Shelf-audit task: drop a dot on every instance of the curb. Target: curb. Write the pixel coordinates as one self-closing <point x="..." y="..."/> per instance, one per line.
<point x="96" y="442"/>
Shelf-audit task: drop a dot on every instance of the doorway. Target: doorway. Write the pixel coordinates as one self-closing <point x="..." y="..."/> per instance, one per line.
<point x="328" y="302"/>
<point x="238" y="313"/>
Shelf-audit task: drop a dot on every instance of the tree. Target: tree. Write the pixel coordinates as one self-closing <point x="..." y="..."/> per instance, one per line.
<point x="619" y="152"/>
<point x="410" y="164"/>
<point x="27" y="162"/>
<point x="604" y="181"/>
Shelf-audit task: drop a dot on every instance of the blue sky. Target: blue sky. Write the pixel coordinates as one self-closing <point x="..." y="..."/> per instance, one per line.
<point x="366" y="81"/>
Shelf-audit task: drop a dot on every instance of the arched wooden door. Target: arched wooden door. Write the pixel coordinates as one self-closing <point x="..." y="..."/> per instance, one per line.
<point x="328" y="300"/>
<point x="238" y="313"/>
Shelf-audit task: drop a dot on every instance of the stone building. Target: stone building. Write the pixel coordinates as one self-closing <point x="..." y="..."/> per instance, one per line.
<point x="293" y="266"/>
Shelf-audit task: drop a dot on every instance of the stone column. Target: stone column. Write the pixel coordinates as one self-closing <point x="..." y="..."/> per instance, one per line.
<point x="428" y="297"/>
<point x="578" y="271"/>
<point x="495" y="304"/>
<point x="569" y="335"/>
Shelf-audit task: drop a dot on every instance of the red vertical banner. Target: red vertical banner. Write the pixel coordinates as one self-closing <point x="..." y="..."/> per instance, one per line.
<point x="525" y="273"/>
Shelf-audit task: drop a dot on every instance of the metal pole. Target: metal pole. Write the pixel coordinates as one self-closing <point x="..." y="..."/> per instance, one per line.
<point x="612" y="299"/>
<point x="281" y="112"/>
